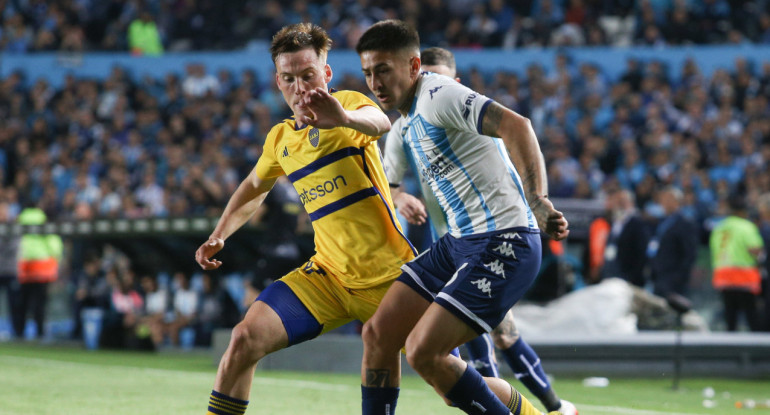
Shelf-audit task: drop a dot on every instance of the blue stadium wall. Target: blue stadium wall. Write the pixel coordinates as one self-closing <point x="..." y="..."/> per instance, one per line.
<point x="55" y="67"/>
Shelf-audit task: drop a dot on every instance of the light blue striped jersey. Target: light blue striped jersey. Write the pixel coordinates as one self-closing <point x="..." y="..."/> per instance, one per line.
<point x="475" y="185"/>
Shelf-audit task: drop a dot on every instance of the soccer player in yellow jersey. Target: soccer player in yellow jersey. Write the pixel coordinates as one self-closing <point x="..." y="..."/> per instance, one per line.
<point x="328" y="151"/>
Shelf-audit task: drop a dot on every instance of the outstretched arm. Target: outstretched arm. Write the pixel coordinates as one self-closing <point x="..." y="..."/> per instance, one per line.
<point x="242" y="204"/>
<point x="325" y="111"/>
<point x="524" y="150"/>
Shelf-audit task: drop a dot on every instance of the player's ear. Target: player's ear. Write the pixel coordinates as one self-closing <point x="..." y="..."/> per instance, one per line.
<point x="415" y="65"/>
<point x="327" y="73"/>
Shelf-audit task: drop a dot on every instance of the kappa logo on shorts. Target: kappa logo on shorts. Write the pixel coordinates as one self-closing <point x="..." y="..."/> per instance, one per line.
<point x="484" y="285"/>
<point x="496" y="267"/>
<point x="506" y="249"/>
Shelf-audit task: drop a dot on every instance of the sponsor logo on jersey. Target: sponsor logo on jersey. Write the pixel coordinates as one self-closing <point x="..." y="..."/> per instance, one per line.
<point x="314" y="135"/>
<point x="285" y="152"/>
<point x="437" y="169"/>
<point x="484" y="285"/>
<point x="322" y="189"/>
<point x="468" y="102"/>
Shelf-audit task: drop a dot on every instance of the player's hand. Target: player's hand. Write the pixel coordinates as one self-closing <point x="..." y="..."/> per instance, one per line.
<point x="550" y="220"/>
<point x="204" y="254"/>
<point x="411" y="208"/>
<point x="321" y="110"/>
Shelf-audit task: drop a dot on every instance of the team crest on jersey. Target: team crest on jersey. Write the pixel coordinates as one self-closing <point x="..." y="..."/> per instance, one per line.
<point x="314" y="135"/>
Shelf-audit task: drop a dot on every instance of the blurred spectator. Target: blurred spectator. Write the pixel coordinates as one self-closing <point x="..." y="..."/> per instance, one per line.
<point x="123" y="317"/>
<point x="735" y="248"/>
<point x="764" y="230"/>
<point x="198" y="83"/>
<point x="673" y="247"/>
<point x="624" y="256"/>
<point x="91" y="290"/>
<point x="156" y="301"/>
<point x="39" y="256"/>
<point x="598" y="235"/>
<point x="184" y="302"/>
<point x="216" y="309"/>
<point x="9" y="248"/>
<point x="143" y="36"/>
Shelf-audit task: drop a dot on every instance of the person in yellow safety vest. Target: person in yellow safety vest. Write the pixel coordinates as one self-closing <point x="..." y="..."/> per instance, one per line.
<point x="143" y="36"/>
<point x="736" y="245"/>
<point x="38" y="265"/>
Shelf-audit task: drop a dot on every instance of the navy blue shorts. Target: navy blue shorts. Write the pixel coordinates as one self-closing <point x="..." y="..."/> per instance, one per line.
<point x="477" y="277"/>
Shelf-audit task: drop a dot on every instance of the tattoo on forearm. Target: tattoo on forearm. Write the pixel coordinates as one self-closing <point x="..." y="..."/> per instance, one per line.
<point x="491" y="121"/>
<point x="529" y="181"/>
<point x="377" y="378"/>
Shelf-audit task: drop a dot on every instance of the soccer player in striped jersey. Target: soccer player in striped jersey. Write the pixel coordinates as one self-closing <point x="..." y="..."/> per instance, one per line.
<point x="467" y="281"/>
<point x="328" y="151"/>
<point x="522" y="359"/>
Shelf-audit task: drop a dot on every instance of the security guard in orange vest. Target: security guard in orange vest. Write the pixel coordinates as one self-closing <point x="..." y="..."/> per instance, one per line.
<point x="38" y="266"/>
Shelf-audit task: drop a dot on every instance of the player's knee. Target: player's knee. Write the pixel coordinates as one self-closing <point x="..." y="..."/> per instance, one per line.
<point x="374" y="338"/>
<point x="420" y="357"/>
<point x="245" y="344"/>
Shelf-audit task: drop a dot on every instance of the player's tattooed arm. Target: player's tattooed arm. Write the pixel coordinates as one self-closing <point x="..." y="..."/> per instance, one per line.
<point x="524" y="151"/>
<point x="522" y="145"/>
<point x="379" y="378"/>
<point x="490" y="124"/>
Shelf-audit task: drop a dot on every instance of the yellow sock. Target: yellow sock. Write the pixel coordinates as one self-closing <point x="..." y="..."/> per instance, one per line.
<point x="519" y="405"/>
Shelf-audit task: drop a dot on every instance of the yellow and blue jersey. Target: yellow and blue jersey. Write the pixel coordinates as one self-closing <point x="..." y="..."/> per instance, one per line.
<point x="339" y="177"/>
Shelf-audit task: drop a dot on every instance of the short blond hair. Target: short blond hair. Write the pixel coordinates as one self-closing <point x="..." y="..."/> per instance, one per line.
<point x="299" y="36"/>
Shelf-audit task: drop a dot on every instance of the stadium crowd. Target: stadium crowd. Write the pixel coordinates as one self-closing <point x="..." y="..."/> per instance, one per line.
<point x="86" y="25"/>
<point x="126" y="148"/>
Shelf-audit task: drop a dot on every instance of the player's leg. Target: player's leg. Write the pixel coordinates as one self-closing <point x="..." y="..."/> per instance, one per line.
<point x="427" y="349"/>
<point x="481" y="353"/>
<point x="730" y="309"/>
<point x="526" y="365"/>
<point x="384" y="335"/>
<point x="277" y="319"/>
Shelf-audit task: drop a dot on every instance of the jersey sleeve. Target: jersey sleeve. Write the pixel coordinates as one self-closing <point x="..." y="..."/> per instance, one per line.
<point x="455" y="106"/>
<point x="395" y="162"/>
<point x="267" y="165"/>
<point x="351" y="101"/>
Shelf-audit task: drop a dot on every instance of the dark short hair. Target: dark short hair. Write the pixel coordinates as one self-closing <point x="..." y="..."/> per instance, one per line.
<point x="438" y="56"/>
<point x="389" y="35"/>
<point x="737" y="203"/>
<point x="299" y="36"/>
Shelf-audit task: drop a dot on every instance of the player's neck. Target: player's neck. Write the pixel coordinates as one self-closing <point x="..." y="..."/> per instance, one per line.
<point x="407" y="105"/>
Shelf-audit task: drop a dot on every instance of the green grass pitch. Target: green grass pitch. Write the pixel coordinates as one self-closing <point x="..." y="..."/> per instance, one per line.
<point x="55" y="380"/>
